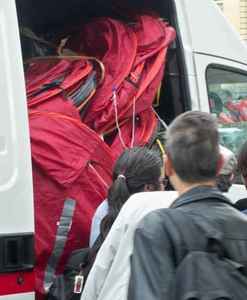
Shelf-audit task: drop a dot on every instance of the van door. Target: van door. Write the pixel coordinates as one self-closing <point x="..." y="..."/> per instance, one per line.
<point x="216" y="63"/>
<point x="223" y="92"/>
<point x="222" y="87"/>
<point x="205" y="32"/>
<point x="216" y="57"/>
<point x="16" y="196"/>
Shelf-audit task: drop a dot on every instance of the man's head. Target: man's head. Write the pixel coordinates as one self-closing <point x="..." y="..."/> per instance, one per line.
<point x="192" y="148"/>
<point x="226" y="174"/>
<point x="242" y="163"/>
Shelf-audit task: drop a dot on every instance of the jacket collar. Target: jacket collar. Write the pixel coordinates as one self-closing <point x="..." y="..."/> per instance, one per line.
<point x="200" y="193"/>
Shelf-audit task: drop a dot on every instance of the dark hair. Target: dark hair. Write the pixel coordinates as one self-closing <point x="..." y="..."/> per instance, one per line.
<point x="242" y="160"/>
<point x="193" y="147"/>
<point x="134" y="169"/>
<point x="241" y="204"/>
<point x="224" y="182"/>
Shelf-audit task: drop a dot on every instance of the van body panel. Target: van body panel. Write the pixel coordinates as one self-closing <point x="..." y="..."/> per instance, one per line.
<point x="16" y="191"/>
<point x="16" y="194"/>
<point x="25" y="296"/>
<point x="204" y="29"/>
<point x="194" y="96"/>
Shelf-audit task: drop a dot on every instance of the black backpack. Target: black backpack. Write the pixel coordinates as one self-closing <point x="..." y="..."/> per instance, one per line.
<point x="202" y="274"/>
<point x="69" y="285"/>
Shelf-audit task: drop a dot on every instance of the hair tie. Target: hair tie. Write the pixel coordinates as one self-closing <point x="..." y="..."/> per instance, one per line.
<point x="121" y="176"/>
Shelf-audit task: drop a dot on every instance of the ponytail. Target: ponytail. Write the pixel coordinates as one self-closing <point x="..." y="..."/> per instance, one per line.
<point x="118" y="194"/>
<point x="134" y="169"/>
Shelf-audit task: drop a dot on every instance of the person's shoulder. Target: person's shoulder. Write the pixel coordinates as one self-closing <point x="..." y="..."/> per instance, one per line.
<point x="150" y="199"/>
<point x="102" y="209"/>
<point x="154" y="223"/>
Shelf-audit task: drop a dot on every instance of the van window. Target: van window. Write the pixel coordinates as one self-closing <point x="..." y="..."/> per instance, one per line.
<point x="227" y="92"/>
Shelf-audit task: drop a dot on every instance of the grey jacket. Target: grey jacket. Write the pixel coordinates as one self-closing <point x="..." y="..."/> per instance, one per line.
<point x="153" y="261"/>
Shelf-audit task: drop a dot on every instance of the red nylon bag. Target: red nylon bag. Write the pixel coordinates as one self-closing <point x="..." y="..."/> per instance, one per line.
<point x="70" y="163"/>
<point x="134" y="58"/>
<point x="60" y="80"/>
<point x="138" y="134"/>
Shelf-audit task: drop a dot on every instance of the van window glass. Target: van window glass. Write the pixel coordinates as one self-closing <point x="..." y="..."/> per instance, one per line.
<point x="227" y="92"/>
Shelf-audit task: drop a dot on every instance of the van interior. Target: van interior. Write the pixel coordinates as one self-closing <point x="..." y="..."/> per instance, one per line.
<point x="49" y="19"/>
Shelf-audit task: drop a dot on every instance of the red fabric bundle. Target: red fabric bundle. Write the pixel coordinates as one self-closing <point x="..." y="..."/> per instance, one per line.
<point x="145" y="124"/>
<point x="59" y="80"/>
<point x="69" y="162"/>
<point x="134" y="58"/>
<point x="72" y="166"/>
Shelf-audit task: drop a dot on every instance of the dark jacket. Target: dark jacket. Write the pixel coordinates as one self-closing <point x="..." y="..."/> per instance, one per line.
<point x="153" y="261"/>
<point x="241" y="205"/>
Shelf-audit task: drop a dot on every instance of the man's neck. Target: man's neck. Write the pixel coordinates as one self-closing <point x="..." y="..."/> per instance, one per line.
<point x="183" y="187"/>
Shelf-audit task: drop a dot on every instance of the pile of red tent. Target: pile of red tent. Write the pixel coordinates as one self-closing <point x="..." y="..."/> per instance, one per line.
<point x="84" y="110"/>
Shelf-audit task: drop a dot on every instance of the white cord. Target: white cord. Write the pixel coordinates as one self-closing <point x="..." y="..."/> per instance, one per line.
<point x="114" y="100"/>
<point x="133" y="123"/>
<point x="163" y="123"/>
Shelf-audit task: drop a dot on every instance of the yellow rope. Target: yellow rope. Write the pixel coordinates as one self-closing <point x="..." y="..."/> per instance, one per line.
<point x="157" y="98"/>
<point x="162" y="149"/>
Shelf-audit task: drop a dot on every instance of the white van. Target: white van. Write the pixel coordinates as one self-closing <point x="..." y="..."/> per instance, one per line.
<point x="207" y="58"/>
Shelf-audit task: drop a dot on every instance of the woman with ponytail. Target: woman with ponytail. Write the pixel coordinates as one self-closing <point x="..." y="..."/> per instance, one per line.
<point x="137" y="170"/>
<point x="137" y="189"/>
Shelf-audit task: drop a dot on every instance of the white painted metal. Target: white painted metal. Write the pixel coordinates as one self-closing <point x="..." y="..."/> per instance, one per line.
<point x="205" y="30"/>
<point x="26" y="296"/>
<point x="16" y="196"/>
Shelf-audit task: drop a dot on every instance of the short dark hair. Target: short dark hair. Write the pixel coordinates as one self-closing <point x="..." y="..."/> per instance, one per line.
<point x="242" y="160"/>
<point x="193" y="146"/>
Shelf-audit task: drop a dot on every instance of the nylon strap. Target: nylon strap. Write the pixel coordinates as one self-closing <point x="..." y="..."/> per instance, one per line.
<point x="64" y="226"/>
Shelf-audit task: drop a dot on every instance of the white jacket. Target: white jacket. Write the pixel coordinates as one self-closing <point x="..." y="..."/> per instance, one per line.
<point x="109" y="277"/>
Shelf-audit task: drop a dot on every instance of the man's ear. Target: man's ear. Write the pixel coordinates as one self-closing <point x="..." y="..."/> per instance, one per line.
<point x="220" y="164"/>
<point x="168" y="166"/>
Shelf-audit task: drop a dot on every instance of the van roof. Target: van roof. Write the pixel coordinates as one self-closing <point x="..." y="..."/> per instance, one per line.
<point x="209" y="31"/>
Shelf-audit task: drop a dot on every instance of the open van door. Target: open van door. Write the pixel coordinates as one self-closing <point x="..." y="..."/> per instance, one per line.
<point x="16" y="196"/>
<point x="216" y="58"/>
